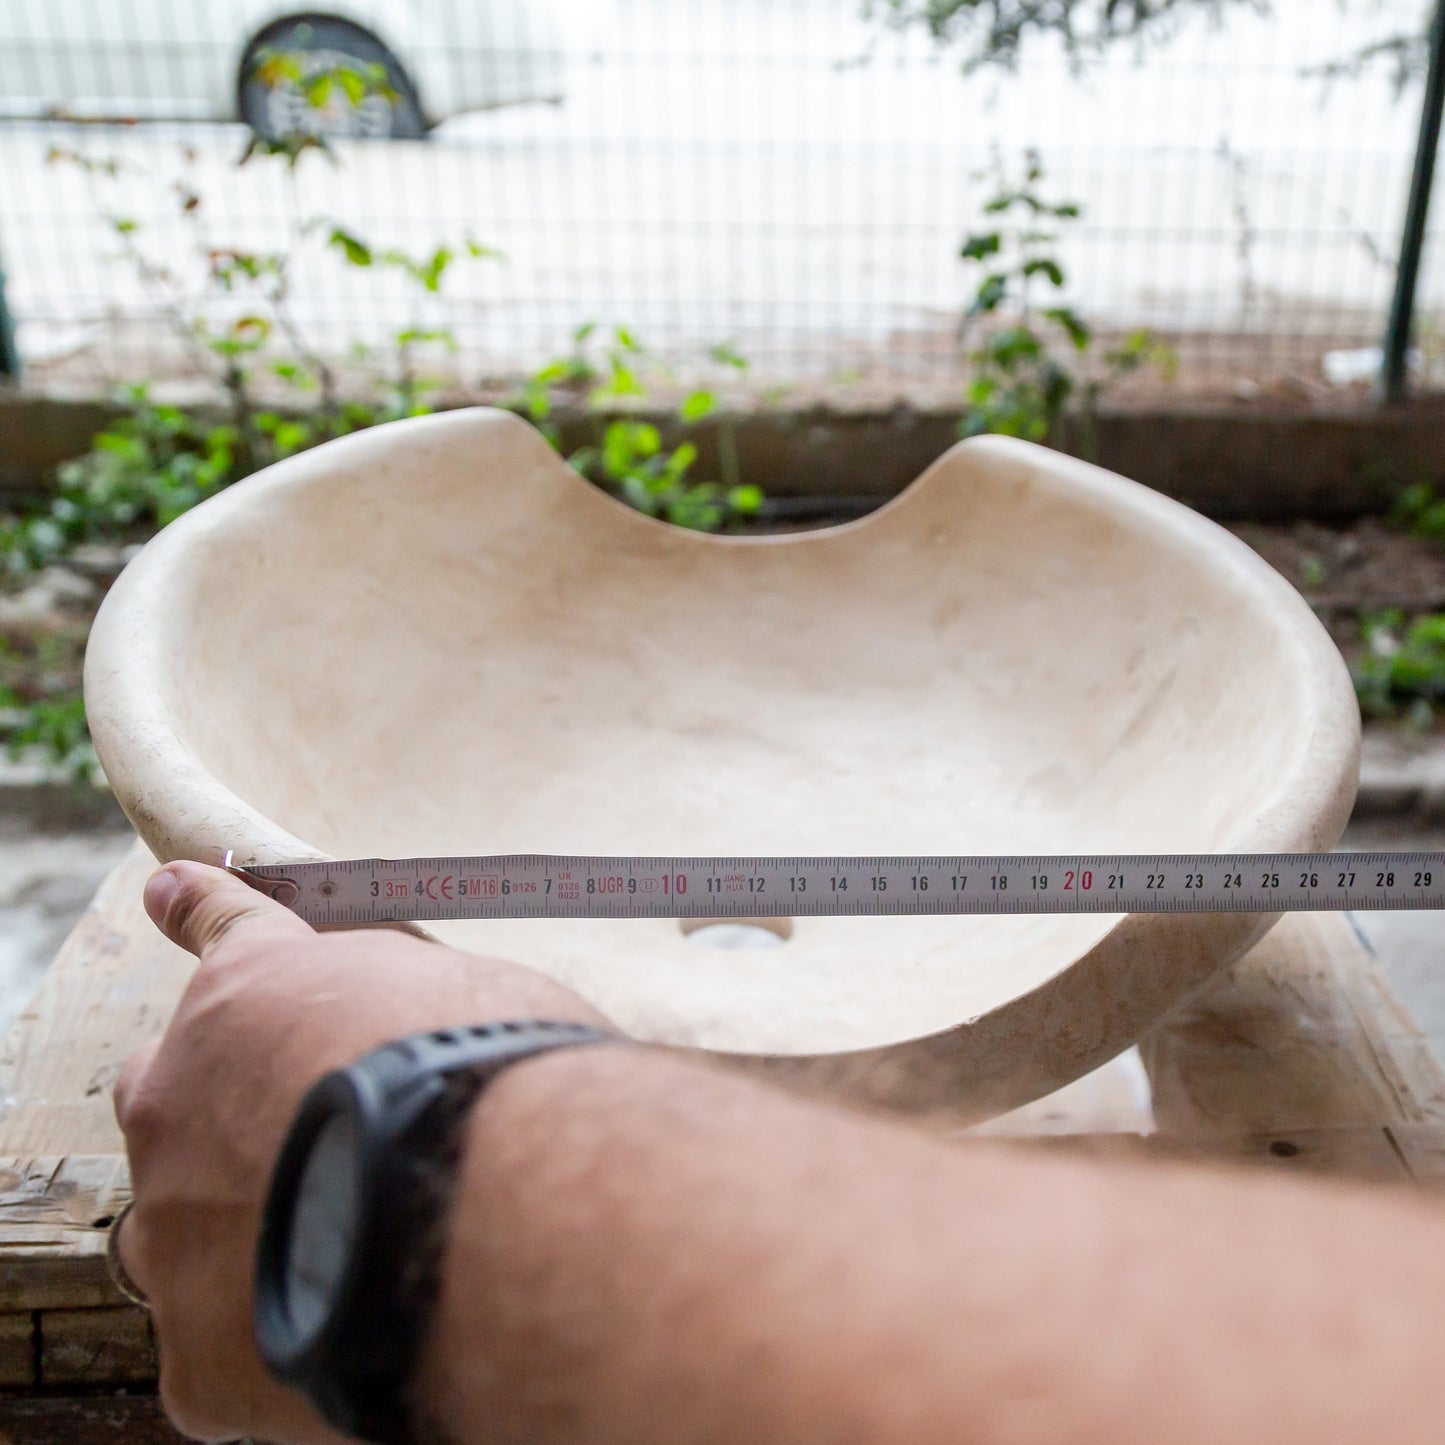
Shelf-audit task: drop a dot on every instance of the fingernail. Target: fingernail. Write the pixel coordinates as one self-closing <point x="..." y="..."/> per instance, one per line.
<point x="160" y="889"/>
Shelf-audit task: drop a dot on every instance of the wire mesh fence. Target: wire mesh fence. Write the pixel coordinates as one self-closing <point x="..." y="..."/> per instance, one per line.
<point x="779" y="175"/>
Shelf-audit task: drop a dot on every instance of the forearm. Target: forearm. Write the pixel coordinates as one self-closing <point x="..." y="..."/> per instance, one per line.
<point x="646" y="1250"/>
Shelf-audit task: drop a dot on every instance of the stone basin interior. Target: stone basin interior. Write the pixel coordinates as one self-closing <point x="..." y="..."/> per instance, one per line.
<point x="431" y="655"/>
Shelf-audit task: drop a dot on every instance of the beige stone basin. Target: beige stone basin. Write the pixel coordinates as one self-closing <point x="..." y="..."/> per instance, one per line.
<point x="435" y="638"/>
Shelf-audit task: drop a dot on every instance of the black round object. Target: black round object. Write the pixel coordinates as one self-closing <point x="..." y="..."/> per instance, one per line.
<point x="281" y="110"/>
<point x="351" y="1236"/>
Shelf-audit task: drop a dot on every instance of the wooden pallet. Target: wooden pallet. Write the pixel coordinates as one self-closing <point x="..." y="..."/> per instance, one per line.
<point x="1298" y="1058"/>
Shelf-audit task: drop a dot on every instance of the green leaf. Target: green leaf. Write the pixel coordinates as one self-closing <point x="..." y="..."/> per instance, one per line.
<point x="680" y="462"/>
<point x="726" y="354"/>
<point x="291" y="437"/>
<point x="291" y="147"/>
<point x="356" y="251"/>
<point x="318" y="90"/>
<point x="1044" y="266"/>
<point x="698" y="513"/>
<point x="1411" y="503"/>
<point x="980" y="247"/>
<point x="746" y="499"/>
<point x="636" y="494"/>
<point x="625" y="444"/>
<point x="698" y="405"/>
<point x="990" y="295"/>
<point x="1077" y="328"/>
<point x="622" y="382"/>
<point x="297" y="375"/>
<point x="1011" y="345"/>
<point x="414" y="335"/>
<point x="1431" y="522"/>
<point x="275" y="67"/>
<point x="432" y="269"/>
<point x="353" y="83"/>
<point x="117" y="443"/>
<point x="288" y="67"/>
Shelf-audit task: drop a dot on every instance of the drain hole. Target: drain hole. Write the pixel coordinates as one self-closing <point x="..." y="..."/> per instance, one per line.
<point x="736" y="933"/>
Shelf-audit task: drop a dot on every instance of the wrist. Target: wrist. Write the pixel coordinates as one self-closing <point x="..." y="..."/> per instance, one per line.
<point x="350" y="1253"/>
<point x="531" y="1149"/>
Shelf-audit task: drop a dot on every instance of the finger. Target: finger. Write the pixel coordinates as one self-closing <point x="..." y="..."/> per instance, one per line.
<point x="129" y="1079"/>
<point x="196" y="907"/>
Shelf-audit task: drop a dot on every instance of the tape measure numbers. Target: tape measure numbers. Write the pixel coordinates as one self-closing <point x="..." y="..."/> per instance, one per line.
<point x="533" y="885"/>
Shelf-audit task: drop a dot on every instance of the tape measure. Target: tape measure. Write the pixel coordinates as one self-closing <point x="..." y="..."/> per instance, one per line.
<point x="535" y="885"/>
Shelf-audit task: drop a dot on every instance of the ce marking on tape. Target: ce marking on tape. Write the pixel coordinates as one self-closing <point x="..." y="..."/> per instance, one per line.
<point x="434" y="887"/>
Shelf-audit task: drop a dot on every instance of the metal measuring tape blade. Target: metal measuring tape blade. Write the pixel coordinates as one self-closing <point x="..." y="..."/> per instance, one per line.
<point x="361" y="891"/>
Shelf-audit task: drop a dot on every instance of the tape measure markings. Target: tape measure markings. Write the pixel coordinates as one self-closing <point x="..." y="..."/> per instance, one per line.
<point x="378" y="890"/>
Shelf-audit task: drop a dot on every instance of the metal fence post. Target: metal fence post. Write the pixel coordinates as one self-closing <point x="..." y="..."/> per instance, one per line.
<point x="9" y="356"/>
<point x="1394" y="376"/>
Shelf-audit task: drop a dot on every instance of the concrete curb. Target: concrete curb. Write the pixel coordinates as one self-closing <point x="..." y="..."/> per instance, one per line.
<point x="1232" y="462"/>
<point x="35" y="799"/>
<point x="1401" y="776"/>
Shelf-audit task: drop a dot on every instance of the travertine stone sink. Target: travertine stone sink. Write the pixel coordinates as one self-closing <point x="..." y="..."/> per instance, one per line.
<point x="434" y="638"/>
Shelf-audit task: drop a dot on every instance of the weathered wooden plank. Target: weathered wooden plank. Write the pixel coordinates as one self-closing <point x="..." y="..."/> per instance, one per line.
<point x="1364" y="1155"/>
<point x="99" y="1421"/>
<point x="56" y="1281"/>
<point x="17" y="1350"/>
<point x="1360" y="1155"/>
<point x="112" y="987"/>
<point x="1302" y="1034"/>
<point x="54" y="1214"/>
<point x="109" y="1347"/>
<point x="64" y="1194"/>
<point x="1422" y="1147"/>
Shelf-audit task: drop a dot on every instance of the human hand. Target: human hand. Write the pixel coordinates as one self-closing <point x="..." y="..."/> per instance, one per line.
<point x="272" y="1006"/>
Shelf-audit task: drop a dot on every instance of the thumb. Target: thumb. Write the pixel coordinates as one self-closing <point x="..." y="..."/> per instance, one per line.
<point x="196" y="907"/>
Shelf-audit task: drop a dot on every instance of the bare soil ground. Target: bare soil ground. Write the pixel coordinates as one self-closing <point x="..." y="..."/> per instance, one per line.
<point x="1367" y="566"/>
<point x="1344" y="572"/>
